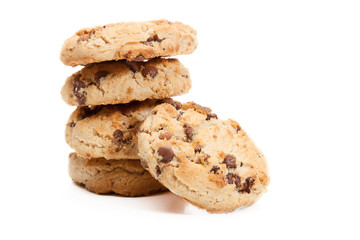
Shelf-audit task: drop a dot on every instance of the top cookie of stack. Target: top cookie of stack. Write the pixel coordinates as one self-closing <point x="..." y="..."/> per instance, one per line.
<point x="106" y="80"/>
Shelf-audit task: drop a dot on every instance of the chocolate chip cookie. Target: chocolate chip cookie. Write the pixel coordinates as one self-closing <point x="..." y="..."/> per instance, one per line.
<point x="133" y="41"/>
<point x="209" y="162"/>
<point x="122" y="82"/>
<point x="124" y="177"/>
<point x="107" y="131"/>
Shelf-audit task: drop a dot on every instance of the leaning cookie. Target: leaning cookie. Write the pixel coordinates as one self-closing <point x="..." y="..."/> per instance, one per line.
<point x="124" y="177"/>
<point x="133" y="41"/>
<point x="209" y="162"/>
<point x="108" y="131"/>
<point x="122" y="82"/>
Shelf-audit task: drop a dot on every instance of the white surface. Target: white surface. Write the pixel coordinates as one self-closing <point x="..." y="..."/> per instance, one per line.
<point x="287" y="71"/>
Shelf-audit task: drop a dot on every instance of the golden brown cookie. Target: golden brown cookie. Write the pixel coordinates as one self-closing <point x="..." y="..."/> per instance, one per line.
<point x="133" y="41"/>
<point x="124" y="177"/>
<point x="122" y="82"/>
<point x="209" y="162"/>
<point x="108" y="131"/>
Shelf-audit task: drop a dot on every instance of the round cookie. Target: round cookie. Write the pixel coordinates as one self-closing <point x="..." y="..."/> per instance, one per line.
<point x="108" y="131"/>
<point x="122" y="82"/>
<point x="124" y="177"/>
<point x="133" y="41"/>
<point x="209" y="162"/>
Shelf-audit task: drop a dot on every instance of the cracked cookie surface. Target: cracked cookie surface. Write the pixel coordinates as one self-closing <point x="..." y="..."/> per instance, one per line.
<point x="209" y="162"/>
<point x="124" y="177"/>
<point x="122" y="82"/>
<point x="107" y="131"/>
<point x="133" y="41"/>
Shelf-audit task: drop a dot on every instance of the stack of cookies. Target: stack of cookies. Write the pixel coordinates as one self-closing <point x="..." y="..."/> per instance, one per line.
<point x="131" y="138"/>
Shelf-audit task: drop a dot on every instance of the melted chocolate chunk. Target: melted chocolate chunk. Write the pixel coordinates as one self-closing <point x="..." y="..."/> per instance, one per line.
<point x="237" y="181"/>
<point x="189" y="131"/>
<point x="215" y="169"/>
<point x="139" y="58"/>
<point x="211" y="115"/>
<point x="166" y="153"/>
<point x="230" y="161"/>
<point x="118" y="135"/>
<point x="152" y="39"/>
<point x="249" y="182"/>
<point x="158" y="170"/>
<point x="134" y="66"/>
<point x="99" y="75"/>
<point x="149" y="71"/>
<point x="230" y="177"/>
<point x="78" y="85"/>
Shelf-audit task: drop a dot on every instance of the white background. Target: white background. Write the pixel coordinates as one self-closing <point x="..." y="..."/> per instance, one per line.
<point x="287" y="71"/>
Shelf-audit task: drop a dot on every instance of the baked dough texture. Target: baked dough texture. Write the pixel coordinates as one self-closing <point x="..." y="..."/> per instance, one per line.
<point x="211" y="163"/>
<point x="124" y="177"/>
<point x="122" y="82"/>
<point x="107" y="131"/>
<point x="133" y="41"/>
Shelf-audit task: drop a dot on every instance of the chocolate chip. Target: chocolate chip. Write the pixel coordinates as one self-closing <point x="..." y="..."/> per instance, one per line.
<point x="158" y="170"/>
<point x="144" y="164"/>
<point x="211" y="115"/>
<point x="154" y="39"/>
<point x="134" y="66"/>
<point x="189" y="131"/>
<point x="99" y="75"/>
<point x="166" y="135"/>
<point x="149" y="70"/>
<point x="238" y="128"/>
<point x="118" y="135"/>
<point x="237" y="181"/>
<point x="230" y="161"/>
<point x="249" y="182"/>
<point x="81" y="99"/>
<point x="215" y="169"/>
<point x="78" y="85"/>
<point x="166" y="153"/>
<point x="197" y="147"/>
<point x="230" y="177"/>
<point x="139" y="58"/>
<point x="72" y="124"/>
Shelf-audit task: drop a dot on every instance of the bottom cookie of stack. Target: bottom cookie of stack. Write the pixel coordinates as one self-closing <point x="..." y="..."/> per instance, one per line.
<point x="124" y="177"/>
